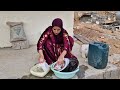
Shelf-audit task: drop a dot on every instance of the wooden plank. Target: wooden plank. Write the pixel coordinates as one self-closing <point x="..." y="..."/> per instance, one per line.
<point x="94" y="29"/>
<point x="82" y="39"/>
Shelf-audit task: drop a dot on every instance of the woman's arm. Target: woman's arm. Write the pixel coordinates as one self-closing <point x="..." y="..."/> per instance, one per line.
<point x="41" y="56"/>
<point x="43" y="39"/>
<point x="66" y="42"/>
<point x="66" y="49"/>
<point x="40" y="45"/>
<point x="61" y="57"/>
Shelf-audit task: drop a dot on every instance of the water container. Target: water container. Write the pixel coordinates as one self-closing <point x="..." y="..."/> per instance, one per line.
<point x="98" y="55"/>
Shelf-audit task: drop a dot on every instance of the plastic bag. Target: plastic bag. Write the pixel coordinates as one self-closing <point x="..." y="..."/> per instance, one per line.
<point x="44" y="66"/>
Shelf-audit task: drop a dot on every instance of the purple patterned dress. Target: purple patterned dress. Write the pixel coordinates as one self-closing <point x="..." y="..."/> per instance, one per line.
<point x="53" y="45"/>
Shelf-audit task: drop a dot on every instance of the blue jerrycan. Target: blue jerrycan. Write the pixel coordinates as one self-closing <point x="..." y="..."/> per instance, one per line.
<point x="98" y="55"/>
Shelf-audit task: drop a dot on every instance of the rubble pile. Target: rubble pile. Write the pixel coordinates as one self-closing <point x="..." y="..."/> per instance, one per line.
<point x="107" y="21"/>
<point x="98" y="26"/>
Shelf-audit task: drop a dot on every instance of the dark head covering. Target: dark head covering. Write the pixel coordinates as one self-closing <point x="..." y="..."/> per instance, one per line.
<point x="57" y="22"/>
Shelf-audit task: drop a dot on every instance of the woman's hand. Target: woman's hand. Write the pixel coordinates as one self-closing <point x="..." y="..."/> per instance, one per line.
<point x="60" y="60"/>
<point x="61" y="57"/>
<point x="41" y="59"/>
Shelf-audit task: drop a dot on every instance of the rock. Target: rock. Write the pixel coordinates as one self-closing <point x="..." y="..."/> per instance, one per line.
<point x="99" y="76"/>
<point x="20" y="44"/>
<point x="84" y="50"/>
<point x="16" y="31"/>
<point x="55" y="77"/>
<point x="11" y="24"/>
<point x="115" y="59"/>
<point x="107" y="75"/>
<point x="114" y="74"/>
<point x="117" y="46"/>
<point x="118" y="15"/>
<point x="97" y="22"/>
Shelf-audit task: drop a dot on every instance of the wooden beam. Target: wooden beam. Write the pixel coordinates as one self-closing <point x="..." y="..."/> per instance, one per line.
<point x="82" y="39"/>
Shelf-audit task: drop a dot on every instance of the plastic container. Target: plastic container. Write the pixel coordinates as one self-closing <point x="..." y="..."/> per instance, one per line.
<point x="40" y="69"/>
<point x="63" y="75"/>
<point x="98" y="55"/>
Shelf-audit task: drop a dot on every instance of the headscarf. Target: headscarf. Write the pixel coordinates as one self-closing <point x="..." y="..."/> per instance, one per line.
<point x="57" y="22"/>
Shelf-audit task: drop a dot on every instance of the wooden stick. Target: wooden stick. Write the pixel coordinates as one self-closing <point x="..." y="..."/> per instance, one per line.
<point x="82" y="39"/>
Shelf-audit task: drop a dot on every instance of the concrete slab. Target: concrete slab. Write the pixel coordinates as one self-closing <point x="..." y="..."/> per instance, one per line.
<point x="15" y="64"/>
<point x="55" y="77"/>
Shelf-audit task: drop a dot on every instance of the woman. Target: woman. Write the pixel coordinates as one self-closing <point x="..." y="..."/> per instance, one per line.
<point x="55" y="44"/>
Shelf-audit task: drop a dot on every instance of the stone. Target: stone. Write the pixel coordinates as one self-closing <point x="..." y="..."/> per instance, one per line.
<point x="118" y="73"/>
<point x="84" y="50"/>
<point x="16" y="31"/>
<point x="55" y="77"/>
<point x="11" y="24"/>
<point x="114" y="74"/>
<point x="20" y="45"/>
<point x="107" y="75"/>
<point x="115" y="59"/>
<point x="99" y="76"/>
<point x="92" y="77"/>
<point x="117" y="46"/>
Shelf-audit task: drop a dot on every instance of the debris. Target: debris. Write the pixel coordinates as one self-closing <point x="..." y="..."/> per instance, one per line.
<point x="103" y="26"/>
